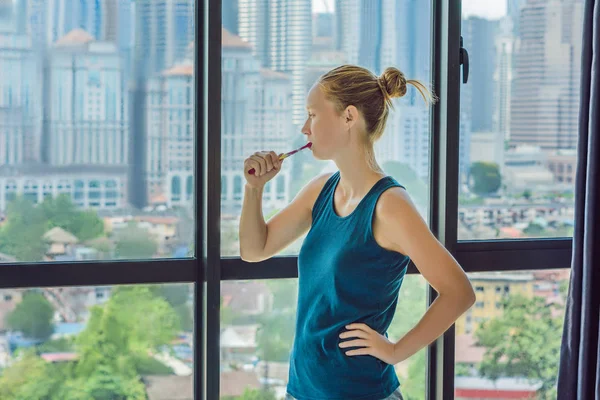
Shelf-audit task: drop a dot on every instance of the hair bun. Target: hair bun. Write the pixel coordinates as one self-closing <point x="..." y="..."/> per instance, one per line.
<point x="393" y="82"/>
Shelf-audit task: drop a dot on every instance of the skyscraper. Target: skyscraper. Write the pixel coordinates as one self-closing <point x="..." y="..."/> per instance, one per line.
<point x="503" y="76"/>
<point x="230" y="11"/>
<point x="393" y="33"/>
<point x="545" y="91"/>
<point x="20" y="91"/>
<point x="280" y="33"/>
<point x="477" y="97"/>
<point x="170" y="144"/>
<point x="256" y="113"/>
<point x="85" y="120"/>
<point x="163" y="31"/>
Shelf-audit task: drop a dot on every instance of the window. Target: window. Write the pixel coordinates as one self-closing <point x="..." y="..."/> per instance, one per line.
<point x="76" y="329"/>
<point x="519" y="120"/>
<point x="498" y="359"/>
<point x="98" y="269"/>
<point x="257" y="331"/>
<point x="259" y="64"/>
<point x="488" y="180"/>
<point x="71" y="148"/>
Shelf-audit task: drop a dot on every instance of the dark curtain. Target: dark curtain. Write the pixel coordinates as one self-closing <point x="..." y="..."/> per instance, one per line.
<point x="579" y="370"/>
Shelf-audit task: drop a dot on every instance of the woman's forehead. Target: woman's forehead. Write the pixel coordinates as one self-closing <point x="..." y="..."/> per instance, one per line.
<point x="315" y="97"/>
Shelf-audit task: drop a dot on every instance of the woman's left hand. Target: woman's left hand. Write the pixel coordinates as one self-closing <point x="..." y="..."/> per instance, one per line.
<point x="372" y="343"/>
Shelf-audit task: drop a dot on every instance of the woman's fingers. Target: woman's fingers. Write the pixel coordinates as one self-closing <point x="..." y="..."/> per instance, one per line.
<point x="354" y="343"/>
<point x="356" y="333"/>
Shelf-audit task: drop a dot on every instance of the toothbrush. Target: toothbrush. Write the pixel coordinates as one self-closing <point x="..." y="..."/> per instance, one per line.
<point x="286" y="155"/>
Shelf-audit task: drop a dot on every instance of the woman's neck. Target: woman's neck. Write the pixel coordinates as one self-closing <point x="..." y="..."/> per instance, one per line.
<point x="359" y="171"/>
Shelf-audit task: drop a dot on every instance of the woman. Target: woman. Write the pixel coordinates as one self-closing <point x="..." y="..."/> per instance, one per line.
<point x="363" y="229"/>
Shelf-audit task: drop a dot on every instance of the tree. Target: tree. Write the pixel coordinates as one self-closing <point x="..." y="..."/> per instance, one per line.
<point x="121" y="333"/>
<point x="413" y="388"/>
<point x="523" y="342"/>
<point x="276" y="333"/>
<point x="61" y="212"/>
<point x="177" y="295"/>
<point x="21" y="236"/>
<point x="411" y="307"/>
<point x="253" y="394"/>
<point x="135" y="243"/>
<point x="28" y="378"/>
<point x="485" y="178"/>
<point x="407" y="177"/>
<point x="32" y="316"/>
<point x="105" y="384"/>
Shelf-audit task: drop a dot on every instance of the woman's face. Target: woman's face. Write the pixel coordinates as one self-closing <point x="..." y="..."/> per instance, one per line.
<point x="325" y="127"/>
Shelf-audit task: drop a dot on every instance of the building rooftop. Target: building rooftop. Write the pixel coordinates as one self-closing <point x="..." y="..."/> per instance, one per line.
<point x="270" y="74"/>
<point x="185" y="69"/>
<point x="74" y="38"/>
<point x="230" y="40"/>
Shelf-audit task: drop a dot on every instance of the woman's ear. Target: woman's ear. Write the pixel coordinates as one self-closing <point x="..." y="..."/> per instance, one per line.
<point x="351" y="116"/>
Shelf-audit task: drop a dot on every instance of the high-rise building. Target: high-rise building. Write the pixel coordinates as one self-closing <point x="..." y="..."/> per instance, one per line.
<point x="163" y="31"/>
<point x="545" y="90"/>
<point x="323" y="25"/>
<point x="84" y="115"/>
<point x="477" y="97"/>
<point x="20" y="92"/>
<point x="170" y="144"/>
<point x="503" y="76"/>
<point x="392" y="33"/>
<point x="513" y="12"/>
<point x="280" y="33"/>
<point x="256" y="114"/>
<point x="230" y="12"/>
<point x="371" y="35"/>
<point x="347" y="31"/>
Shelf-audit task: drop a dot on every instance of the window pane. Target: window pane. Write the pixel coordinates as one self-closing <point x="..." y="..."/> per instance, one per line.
<point x="257" y="333"/>
<point x="119" y="342"/>
<point x="508" y="344"/>
<point x="272" y="55"/>
<point x="96" y="138"/>
<point x="519" y="119"/>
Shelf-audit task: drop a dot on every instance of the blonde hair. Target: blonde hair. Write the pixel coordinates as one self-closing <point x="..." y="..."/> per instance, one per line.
<point x="371" y="95"/>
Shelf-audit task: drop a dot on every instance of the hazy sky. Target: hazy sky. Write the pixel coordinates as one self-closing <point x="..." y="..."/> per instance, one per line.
<point x="491" y="9"/>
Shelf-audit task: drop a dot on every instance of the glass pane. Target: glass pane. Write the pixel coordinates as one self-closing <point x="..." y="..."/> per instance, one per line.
<point x="519" y="119"/>
<point x="257" y="333"/>
<point x="270" y="60"/>
<point x="97" y="342"/>
<point x="508" y="343"/>
<point x="96" y="130"/>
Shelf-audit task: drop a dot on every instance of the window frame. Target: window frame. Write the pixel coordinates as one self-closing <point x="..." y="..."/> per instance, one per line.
<point x="208" y="268"/>
<point x="474" y="256"/>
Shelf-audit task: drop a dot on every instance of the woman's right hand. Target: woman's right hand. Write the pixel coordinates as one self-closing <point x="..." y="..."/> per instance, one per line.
<point x="266" y="166"/>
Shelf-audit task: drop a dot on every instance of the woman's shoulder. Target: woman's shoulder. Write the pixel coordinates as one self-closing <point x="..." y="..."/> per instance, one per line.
<point x="310" y="192"/>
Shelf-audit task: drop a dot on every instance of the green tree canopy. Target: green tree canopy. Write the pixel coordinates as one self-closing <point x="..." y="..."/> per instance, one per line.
<point x="61" y="212"/>
<point x="32" y="316"/>
<point x="134" y="243"/>
<point x="523" y="342"/>
<point x="485" y="178"/>
<point x="21" y="236"/>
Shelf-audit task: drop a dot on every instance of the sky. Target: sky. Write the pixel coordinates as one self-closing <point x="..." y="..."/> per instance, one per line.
<point x="490" y="9"/>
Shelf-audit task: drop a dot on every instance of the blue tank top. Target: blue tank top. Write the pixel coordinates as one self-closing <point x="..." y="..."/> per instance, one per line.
<point x="344" y="276"/>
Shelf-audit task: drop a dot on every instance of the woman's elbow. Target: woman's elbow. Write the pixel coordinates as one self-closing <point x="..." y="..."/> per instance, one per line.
<point x="249" y="257"/>
<point x="469" y="296"/>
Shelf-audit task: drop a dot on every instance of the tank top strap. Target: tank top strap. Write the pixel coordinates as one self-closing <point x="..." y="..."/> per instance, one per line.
<point x="324" y="196"/>
<point x="370" y="203"/>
